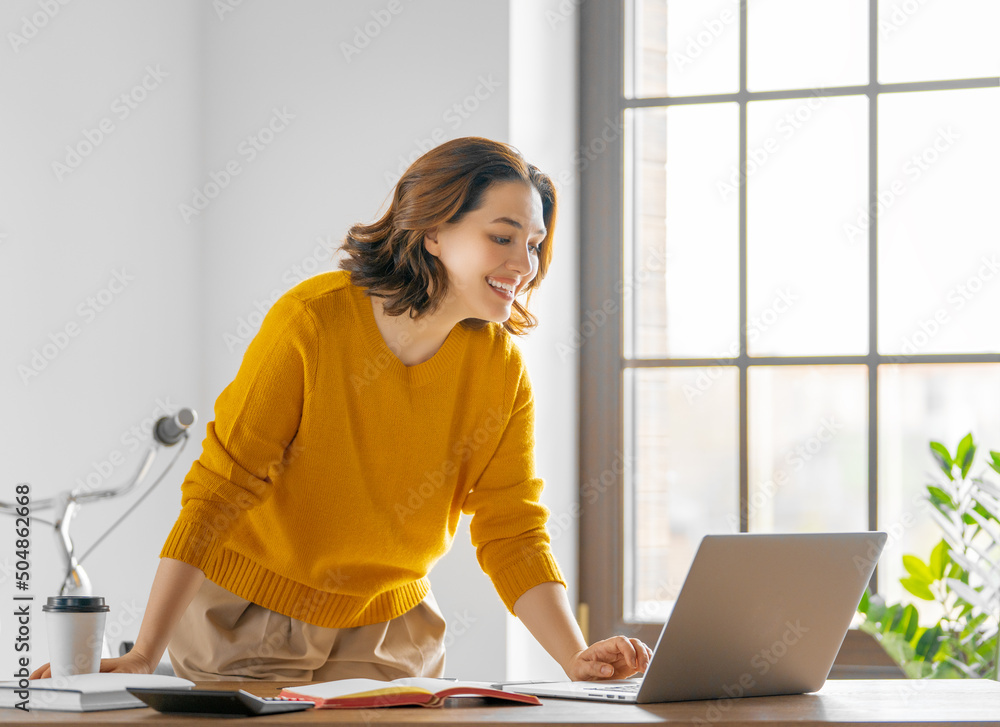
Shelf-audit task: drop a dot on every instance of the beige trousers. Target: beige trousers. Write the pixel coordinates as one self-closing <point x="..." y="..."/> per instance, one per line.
<point x="224" y="637"/>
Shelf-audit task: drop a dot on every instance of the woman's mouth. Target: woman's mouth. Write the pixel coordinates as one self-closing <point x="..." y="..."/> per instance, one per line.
<point x="504" y="290"/>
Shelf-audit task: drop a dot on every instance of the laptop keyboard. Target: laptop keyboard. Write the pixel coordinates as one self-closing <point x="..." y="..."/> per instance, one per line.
<point x="631" y="688"/>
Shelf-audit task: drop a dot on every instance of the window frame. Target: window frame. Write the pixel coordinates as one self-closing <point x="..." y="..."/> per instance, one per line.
<point x="605" y="171"/>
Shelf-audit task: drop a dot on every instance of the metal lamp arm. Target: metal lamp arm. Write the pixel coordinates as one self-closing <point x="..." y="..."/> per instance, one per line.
<point x="167" y="432"/>
<point x="60" y="501"/>
<point x="140" y="474"/>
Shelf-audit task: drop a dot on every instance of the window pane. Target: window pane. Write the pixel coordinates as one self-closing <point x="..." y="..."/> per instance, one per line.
<point x="688" y="47"/>
<point x="938" y="231"/>
<point x="919" y="403"/>
<point x="807" y="283"/>
<point x="686" y="277"/>
<point x="806" y="44"/>
<point x="932" y="41"/>
<point x="808" y="448"/>
<point x="684" y="481"/>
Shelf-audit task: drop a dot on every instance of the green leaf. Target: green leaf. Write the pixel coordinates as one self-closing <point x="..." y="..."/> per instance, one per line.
<point x="893" y="614"/>
<point x="985" y="512"/>
<point x="953" y="569"/>
<point x="947" y="670"/>
<point x="898" y="649"/>
<point x="987" y="649"/>
<point x="964" y="669"/>
<point x="870" y="628"/>
<point x="910" y="622"/>
<point x="917" y="587"/>
<point x="994" y="462"/>
<point x="940" y="497"/>
<point x="939" y="559"/>
<point x="943" y="458"/>
<point x="918" y="569"/>
<point x="963" y="456"/>
<point x="918" y="670"/>
<point x="973" y="624"/>
<point x="863" y="606"/>
<point x="967" y="465"/>
<point x="876" y="608"/>
<point x="928" y="644"/>
<point x="982" y="518"/>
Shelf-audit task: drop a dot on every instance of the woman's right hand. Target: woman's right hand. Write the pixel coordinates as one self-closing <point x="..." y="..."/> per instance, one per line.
<point x="132" y="663"/>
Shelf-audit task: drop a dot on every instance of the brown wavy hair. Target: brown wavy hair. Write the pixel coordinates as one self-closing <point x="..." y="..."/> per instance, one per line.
<point x="388" y="256"/>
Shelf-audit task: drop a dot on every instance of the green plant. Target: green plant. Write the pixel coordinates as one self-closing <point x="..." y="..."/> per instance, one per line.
<point x="962" y="575"/>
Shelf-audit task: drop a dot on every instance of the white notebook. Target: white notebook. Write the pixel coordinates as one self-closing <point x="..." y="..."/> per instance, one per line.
<point x="83" y="692"/>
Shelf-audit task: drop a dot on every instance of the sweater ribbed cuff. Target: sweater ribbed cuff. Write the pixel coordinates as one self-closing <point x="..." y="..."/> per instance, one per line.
<point x="193" y="542"/>
<point x="513" y="581"/>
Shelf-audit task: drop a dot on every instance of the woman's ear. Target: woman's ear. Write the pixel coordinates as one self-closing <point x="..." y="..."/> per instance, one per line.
<point x="431" y="243"/>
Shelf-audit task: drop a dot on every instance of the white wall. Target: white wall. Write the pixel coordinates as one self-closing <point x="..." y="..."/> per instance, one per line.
<point x="348" y="123"/>
<point x="63" y="237"/>
<point x="543" y="64"/>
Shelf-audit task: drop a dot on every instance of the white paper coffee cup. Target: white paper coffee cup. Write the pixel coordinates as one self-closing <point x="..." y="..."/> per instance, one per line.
<point x="75" y="626"/>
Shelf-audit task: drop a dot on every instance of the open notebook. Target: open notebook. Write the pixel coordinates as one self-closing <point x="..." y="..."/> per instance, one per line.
<point x="417" y="691"/>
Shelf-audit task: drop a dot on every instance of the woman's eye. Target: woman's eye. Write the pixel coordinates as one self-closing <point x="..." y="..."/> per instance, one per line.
<point x="535" y="249"/>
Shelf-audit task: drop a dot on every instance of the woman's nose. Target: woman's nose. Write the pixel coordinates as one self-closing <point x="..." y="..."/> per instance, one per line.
<point x="520" y="261"/>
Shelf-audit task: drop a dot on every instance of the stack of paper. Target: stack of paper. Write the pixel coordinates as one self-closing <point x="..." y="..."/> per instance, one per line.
<point x="83" y="692"/>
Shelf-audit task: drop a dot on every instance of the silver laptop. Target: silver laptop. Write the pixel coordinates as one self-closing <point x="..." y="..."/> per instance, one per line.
<point x="757" y="615"/>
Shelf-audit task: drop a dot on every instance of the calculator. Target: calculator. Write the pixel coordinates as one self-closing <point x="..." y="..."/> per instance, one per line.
<point x="209" y="701"/>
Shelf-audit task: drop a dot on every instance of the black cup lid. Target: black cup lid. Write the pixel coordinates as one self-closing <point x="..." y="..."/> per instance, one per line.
<point x="75" y="604"/>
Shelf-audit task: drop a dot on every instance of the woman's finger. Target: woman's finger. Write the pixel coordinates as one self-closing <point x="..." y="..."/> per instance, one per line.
<point x="643" y="653"/>
<point x="628" y="650"/>
<point x="42" y="672"/>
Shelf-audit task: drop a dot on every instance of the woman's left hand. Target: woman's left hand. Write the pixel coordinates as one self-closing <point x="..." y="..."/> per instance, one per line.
<point x="615" y="658"/>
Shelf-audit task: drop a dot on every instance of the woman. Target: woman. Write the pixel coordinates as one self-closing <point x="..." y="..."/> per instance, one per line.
<point x="375" y="405"/>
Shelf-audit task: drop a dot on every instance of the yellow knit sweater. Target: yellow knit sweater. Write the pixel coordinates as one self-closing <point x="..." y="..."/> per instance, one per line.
<point x="333" y="476"/>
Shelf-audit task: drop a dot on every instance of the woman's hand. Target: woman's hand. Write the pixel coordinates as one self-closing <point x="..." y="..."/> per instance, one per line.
<point x="132" y="663"/>
<point x="614" y="658"/>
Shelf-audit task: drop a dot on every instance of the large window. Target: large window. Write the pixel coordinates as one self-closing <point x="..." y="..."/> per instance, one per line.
<point x="790" y="275"/>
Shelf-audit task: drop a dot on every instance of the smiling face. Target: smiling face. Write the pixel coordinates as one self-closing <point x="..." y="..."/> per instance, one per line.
<point x="491" y="253"/>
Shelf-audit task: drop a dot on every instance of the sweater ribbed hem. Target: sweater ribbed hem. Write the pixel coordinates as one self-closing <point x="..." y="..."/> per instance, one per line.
<point x="512" y="582"/>
<point x="247" y="579"/>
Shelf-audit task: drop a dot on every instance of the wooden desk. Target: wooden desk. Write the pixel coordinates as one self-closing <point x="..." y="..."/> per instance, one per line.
<point x="869" y="702"/>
